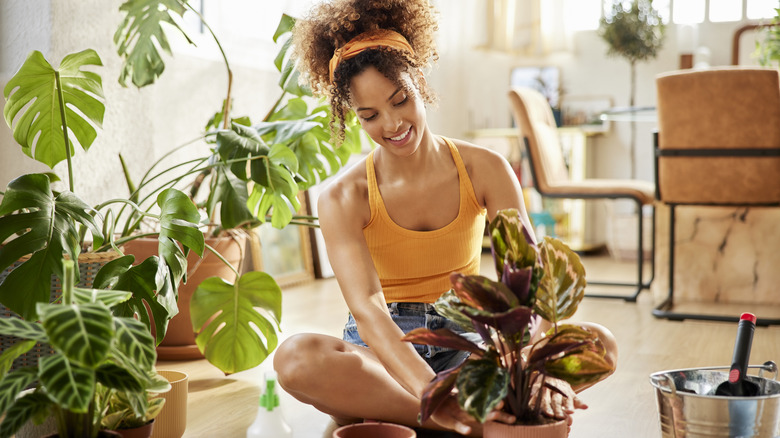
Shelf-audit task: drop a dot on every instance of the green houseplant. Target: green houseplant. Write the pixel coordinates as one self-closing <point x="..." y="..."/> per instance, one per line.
<point x="535" y="282"/>
<point x="50" y="110"/>
<point x="97" y="354"/>
<point x="253" y="174"/>
<point x="637" y="34"/>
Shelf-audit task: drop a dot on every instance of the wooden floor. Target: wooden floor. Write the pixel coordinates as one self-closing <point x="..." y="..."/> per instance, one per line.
<point x="622" y="406"/>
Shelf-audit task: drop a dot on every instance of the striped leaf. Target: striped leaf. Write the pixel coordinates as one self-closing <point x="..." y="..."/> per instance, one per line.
<point x="562" y="286"/>
<point x="13" y="383"/>
<point x="35" y="405"/>
<point x="71" y="386"/>
<point x="482" y="384"/>
<point x="22" y="329"/>
<point x="108" y="297"/>
<point x="135" y="342"/>
<point x="114" y="376"/>
<point x="83" y="333"/>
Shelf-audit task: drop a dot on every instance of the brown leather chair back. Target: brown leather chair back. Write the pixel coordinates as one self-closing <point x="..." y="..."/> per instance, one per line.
<point x="717" y="131"/>
<point x="537" y="124"/>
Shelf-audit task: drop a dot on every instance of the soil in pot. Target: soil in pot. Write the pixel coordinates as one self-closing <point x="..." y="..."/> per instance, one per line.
<point x="374" y="430"/>
<point x="558" y="429"/>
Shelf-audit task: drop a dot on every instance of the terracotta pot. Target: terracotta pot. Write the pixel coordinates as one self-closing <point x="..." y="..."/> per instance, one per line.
<point x="374" y="430"/>
<point x="101" y="434"/>
<point x="179" y="341"/>
<point x="494" y="429"/>
<point x="144" y="431"/>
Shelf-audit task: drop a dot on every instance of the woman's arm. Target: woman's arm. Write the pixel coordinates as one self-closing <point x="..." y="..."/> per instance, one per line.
<point x="342" y="214"/>
<point x="495" y="183"/>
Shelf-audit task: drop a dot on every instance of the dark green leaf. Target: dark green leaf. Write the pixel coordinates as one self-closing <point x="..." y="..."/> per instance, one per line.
<point x="32" y="96"/>
<point x="83" y="333"/>
<point x="178" y="223"/>
<point x="45" y="226"/>
<point x="229" y="340"/>
<point x="231" y="193"/>
<point x="135" y="342"/>
<point x="141" y="33"/>
<point x="22" y="329"/>
<point x="23" y="410"/>
<point x="13" y="383"/>
<point x="141" y="279"/>
<point x="69" y="385"/>
<point x="113" y="376"/>
<point x="482" y="384"/>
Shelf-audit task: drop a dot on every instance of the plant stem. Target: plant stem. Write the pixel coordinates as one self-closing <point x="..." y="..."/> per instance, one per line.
<point x="226" y="110"/>
<point x="67" y="281"/>
<point x="64" y="127"/>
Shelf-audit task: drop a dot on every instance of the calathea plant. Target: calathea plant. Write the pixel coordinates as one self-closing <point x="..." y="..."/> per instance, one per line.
<point x="96" y="355"/>
<point x="535" y="282"/>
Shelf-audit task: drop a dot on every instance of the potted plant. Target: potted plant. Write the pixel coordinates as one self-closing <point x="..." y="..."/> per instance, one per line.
<point x="635" y="33"/>
<point x="253" y="175"/>
<point x="40" y="224"/>
<point x="131" y="418"/>
<point x="95" y="353"/>
<point x="537" y="283"/>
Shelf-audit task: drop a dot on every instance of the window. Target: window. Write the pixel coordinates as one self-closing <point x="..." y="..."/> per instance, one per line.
<point x="688" y="11"/>
<point x="757" y="9"/>
<point x="725" y="10"/>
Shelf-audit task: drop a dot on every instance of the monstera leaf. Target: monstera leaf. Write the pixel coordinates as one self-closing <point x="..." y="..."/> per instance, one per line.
<point x="563" y="285"/>
<point x="229" y="341"/>
<point x="231" y="193"/>
<point x="45" y="99"/>
<point x="44" y="225"/>
<point x="140" y="35"/>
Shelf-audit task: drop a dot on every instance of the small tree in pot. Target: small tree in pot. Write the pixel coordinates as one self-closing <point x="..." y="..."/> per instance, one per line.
<point x="633" y="30"/>
<point x="515" y="359"/>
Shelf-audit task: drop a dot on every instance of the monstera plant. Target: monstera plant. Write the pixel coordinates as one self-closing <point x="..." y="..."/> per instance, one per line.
<point x="253" y="174"/>
<point x="514" y="359"/>
<point x="97" y="355"/>
<point x="50" y="111"/>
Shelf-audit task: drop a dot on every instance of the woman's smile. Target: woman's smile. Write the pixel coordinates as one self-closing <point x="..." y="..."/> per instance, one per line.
<point x="401" y="138"/>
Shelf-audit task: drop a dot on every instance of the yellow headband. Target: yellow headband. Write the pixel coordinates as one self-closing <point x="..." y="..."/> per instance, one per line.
<point x="368" y="40"/>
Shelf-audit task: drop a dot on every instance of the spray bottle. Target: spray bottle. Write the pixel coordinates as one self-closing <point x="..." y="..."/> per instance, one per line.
<point x="269" y="422"/>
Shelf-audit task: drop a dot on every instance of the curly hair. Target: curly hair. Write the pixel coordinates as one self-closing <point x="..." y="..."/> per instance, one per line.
<point x="330" y="25"/>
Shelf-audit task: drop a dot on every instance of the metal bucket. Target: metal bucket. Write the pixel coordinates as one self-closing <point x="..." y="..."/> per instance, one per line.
<point x="689" y="408"/>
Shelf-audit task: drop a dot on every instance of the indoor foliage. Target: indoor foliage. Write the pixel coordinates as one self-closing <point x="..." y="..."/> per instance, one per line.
<point x="536" y="282"/>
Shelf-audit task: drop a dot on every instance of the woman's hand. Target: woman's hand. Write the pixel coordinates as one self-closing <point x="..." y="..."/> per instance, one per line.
<point x="450" y="416"/>
<point x="553" y="403"/>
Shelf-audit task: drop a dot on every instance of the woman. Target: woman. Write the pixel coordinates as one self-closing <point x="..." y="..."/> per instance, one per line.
<point x="397" y="223"/>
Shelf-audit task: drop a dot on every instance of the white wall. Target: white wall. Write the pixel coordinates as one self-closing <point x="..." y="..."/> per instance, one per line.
<point x="141" y="124"/>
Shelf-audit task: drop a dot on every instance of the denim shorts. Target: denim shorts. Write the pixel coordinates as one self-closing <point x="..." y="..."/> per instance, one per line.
<point x="409" y="316"/>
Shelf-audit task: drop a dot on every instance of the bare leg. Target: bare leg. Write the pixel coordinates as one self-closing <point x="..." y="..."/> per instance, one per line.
<point x="343" y="380"/>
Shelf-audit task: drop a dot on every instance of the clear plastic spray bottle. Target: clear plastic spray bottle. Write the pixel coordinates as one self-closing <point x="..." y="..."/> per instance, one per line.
<point x="269" y="422"/>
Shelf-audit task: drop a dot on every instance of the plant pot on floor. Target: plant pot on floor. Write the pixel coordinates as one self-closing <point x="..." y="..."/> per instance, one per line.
<point x="558" y="429"/>
<point x="179" y="341"/>
<point x="374" y="430"/>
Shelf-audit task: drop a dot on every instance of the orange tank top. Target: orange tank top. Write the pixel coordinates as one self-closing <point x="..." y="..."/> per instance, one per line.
<point x="414" y="266"/>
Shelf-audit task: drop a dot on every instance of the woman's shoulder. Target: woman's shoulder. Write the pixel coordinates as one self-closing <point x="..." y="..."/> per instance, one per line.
<point x="347" y="193"/>
<point x="476" y="156"/>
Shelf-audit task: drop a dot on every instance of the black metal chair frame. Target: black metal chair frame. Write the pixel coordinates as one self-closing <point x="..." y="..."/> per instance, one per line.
<point x="640" y="285"/>
<point x="664" y="310"/>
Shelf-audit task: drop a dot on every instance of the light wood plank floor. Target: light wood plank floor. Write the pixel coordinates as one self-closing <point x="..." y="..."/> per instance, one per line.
<point x="622" y="406"/>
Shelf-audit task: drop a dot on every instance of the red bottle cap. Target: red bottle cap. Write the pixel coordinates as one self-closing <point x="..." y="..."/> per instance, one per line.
<point x="748" y="316"/>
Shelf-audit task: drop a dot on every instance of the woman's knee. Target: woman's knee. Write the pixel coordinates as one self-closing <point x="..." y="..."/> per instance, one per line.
<point x="296" y="360"/>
